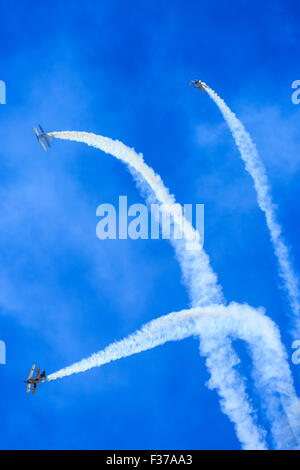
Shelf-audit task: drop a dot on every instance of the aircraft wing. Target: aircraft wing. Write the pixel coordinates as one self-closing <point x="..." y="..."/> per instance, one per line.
<point x="42" y="144"/>
<point x="48" y="143"/>
<point x="34" y="388"/>
<point x="42" y="130"/>
<point x="36" y="131"/>
<point x="28" y="388"/>
<point x="38" y="372"/>
<point x="31" y="372"/>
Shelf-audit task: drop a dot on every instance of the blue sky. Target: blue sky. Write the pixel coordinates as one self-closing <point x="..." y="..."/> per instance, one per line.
<point x="121" y="70"/>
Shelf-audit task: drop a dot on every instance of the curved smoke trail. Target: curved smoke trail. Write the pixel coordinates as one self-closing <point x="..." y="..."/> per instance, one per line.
<point x="198" y="274"/>
<point x="215" y="325"/>
<point x="256" y="169"/>
<point x="199" y="277"/>
<point x="177" y="326"/>
<point x="221" y="358"/>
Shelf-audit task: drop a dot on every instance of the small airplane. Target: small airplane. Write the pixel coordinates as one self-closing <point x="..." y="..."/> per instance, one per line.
<point x="39" y="378"/>
<point x="198" y="84"/>
<point x="42" y="135"/>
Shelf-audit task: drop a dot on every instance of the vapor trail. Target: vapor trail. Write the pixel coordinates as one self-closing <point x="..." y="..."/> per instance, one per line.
<point x="197" y="272"/>
<point x="172" y="327"/>
<point x="199" y="277"/>
<point x="256" y="169"/>
<point x="217" y="326"/>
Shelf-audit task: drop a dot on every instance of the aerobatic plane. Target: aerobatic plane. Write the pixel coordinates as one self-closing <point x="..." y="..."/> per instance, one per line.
<point x="39" y="378"/>
<point x="198" y="84"/>
<point x="42" y="135"/>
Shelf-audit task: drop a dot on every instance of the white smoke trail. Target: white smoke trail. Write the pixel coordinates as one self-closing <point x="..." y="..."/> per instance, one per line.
<point x="177" y="326"/>
<point x="256" y="169"/>
<point x="203" y="287"/>
<point x="217" y="326"/>
<point x="199" y="277"/>
<point x="172" y="327"/>
<point x="197" y="272"/>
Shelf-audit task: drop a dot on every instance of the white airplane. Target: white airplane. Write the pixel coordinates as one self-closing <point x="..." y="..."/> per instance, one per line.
<point x="39" y="378"/>
<point x="198" y="84"/>
<point x="41" y="136"/>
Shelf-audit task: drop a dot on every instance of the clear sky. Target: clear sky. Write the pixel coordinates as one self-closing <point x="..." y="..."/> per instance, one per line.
<point x="120" y="69"/>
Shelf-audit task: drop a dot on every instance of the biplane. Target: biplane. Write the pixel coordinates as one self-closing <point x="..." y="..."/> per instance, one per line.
<point x="42" y="135"/>
<point x="39" y="378"/>
<point x="198" y="84"/>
